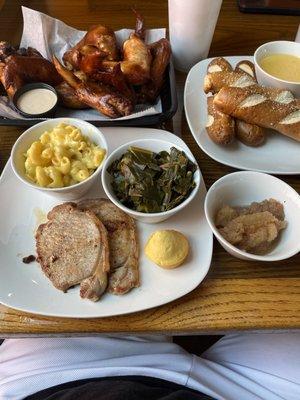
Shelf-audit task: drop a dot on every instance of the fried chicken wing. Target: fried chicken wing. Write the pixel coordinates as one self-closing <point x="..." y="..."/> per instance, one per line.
<point x="136" y="60"/>
<point x="97" y="45"/>
<point x="18" y="70"/>
<point x="139" y="24"/>
<point x="161" y="53"/>
<point x="137" y="57"/>
<point x="67" y="97"/>
<point x="7" y="49"/>
<point x="96" y="95"/>
<point x="114" y="77"/>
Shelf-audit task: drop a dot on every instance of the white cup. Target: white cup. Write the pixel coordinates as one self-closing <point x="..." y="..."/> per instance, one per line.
<point x="191" y="27"/>
<point x="298" y="36"/>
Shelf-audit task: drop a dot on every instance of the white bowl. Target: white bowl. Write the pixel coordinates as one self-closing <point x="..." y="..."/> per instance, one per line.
<point x="242" y="188"/>
<point x="32" y="134"/>
<point x="265" y="79"/>
<point x="155" y="145"/>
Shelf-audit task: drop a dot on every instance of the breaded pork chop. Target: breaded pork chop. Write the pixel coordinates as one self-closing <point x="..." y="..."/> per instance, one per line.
<point x="72" y="248"/>
<point x="123" y="245"/>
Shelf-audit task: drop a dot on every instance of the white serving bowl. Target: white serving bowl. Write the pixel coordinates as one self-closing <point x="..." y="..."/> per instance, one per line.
<point x="265" y="79"/>
<point x="242" y="188"/>
<point x="32" y="134"/>
<point x="155" y="145"/>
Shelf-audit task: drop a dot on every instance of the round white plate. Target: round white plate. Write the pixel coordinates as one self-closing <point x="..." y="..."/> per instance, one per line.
<point x="278" y="155"/>
<point x="25" y="287"/>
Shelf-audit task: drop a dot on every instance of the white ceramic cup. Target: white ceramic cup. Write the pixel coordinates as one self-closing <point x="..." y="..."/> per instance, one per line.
<point x="191" y="28"/>
<point x="281" y="47"/>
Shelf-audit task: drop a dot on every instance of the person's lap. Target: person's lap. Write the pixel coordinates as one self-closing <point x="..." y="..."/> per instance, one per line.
<point x="256" y="366"/>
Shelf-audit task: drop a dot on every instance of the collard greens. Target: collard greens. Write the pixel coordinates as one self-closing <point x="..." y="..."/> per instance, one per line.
<point x="152" y="182"/>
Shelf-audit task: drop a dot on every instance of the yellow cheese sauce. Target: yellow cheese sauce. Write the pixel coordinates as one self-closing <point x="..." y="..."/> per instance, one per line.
<point x="282" y="66"/>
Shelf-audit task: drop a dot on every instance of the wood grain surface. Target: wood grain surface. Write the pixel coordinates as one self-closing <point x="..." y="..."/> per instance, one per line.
<point x="236" y="295"/>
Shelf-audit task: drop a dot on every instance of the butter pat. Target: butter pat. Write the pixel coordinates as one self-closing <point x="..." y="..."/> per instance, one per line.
<point x="167" y="248"/>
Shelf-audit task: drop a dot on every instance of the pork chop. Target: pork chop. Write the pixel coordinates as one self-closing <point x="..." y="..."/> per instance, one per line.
<point x="72" y="248"/>
<point x="123" y="245"/>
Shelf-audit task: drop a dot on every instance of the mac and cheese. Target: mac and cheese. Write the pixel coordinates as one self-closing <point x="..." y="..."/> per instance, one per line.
<point x="62" y="157"/>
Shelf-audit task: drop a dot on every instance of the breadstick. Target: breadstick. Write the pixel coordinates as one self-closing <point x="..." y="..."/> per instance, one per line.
<point x="261" y="106"/>
<point x="220" y="127"/>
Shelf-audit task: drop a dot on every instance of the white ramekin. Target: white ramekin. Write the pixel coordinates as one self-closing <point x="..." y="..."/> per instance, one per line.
<point x="281" y="47"/>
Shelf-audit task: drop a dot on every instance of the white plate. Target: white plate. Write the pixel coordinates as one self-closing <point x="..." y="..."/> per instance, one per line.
<point x="25" y="287"/>
<point x="279" y="155"/>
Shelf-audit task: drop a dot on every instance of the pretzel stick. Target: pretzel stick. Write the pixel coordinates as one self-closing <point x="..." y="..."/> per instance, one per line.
<point x="220" y="127"/>
<point x="214" y="82"/>
<point x="219" y="64"/>
<point x="266" y="107"/>
<point x="251" y="135"/>
<point x="246" y="67"/>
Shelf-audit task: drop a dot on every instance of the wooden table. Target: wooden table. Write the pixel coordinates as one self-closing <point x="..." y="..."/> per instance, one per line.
<point x="236" y="295"/>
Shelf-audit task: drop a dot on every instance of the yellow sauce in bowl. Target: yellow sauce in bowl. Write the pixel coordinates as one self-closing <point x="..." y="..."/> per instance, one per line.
<point x="282" y="66"/>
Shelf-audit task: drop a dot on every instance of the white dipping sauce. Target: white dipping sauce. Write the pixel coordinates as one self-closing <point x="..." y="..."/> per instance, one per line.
<point x="36" y="101"/>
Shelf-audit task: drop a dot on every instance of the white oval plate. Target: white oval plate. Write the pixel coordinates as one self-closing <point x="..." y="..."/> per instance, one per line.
<point x="26" y="288"/>
<point x="278" y="155"/>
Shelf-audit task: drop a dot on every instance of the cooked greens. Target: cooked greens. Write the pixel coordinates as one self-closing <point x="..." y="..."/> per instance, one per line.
<point x="152" y="182"/>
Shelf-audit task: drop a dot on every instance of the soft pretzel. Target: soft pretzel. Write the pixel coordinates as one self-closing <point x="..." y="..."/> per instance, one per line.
<point x="220" y="127"/>
<point x="214" y="82"/>
<point x="218" y="64"/>
<point x="266" y="107"/>
<point x="251" y="135"/>
<point x="247" y="67"/>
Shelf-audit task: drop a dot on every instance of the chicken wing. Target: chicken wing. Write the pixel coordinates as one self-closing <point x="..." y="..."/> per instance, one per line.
<point x="97" y="45"/>
<point x="67" y="97"/>
<point x="137" y="57"/>
<point x="7" y="49"/>
<point x="114" y="77"/>
<point x="136" y="60"/>
<point x="161" y="53"/>
<point x="96" y="95"/>
<point x="18" y="70"/>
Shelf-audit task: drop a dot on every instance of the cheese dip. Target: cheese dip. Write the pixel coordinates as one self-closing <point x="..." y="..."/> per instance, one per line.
<point x="37" y="101"/>
<point x="282" y="66"/>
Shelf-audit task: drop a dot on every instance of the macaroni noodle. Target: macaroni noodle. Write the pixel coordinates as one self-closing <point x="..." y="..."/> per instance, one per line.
<point x="62" y="157"/>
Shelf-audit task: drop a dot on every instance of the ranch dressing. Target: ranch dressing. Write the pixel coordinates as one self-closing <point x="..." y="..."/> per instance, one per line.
<point x="37" y="101"/>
